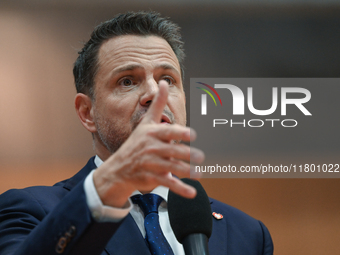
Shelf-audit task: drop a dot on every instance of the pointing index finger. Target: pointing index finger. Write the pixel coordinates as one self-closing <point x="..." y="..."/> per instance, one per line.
<point x="155" y="111"/>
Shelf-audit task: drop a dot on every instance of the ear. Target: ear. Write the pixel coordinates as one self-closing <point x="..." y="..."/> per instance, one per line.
<point x="83" y="105"/>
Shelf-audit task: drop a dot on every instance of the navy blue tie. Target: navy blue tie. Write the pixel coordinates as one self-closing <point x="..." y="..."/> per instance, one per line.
<point x="157" y="242"/>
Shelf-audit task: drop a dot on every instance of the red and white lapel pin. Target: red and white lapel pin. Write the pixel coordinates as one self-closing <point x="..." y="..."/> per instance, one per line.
<point x="217" y="216"/>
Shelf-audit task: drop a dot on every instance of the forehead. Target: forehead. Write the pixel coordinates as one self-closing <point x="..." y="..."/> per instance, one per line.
<point x="130" y="49"/>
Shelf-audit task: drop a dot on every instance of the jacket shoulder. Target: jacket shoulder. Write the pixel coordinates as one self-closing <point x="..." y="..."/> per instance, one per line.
<point x="238" y="228"/>
<point x="230" y="211"/>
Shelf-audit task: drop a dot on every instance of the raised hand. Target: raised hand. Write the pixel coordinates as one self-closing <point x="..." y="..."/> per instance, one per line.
<point x="147" y="157"/>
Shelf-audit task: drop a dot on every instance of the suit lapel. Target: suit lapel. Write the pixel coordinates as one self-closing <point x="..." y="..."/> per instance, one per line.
<point x="218" y="240"/>
<point x="73" y="181"/>
<point x="127" y="240"/>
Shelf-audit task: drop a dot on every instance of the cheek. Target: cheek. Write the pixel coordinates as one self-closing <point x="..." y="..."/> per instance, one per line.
<point x="120" y="109"/>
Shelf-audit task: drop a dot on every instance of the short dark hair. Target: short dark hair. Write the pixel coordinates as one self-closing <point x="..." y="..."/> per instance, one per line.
<point x="130" y="23"/>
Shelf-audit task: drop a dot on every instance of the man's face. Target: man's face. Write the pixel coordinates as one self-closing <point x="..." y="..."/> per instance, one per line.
<point x="130" y="68"/>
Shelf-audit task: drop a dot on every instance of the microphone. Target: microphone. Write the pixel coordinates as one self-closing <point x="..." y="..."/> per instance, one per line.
<point x="191" y="219"/>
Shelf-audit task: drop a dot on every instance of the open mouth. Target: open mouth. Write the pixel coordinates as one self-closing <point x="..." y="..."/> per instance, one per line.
<point x="165" y="119"/>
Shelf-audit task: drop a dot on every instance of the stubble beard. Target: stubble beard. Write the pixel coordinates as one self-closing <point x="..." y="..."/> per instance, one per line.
<point x="110" y="135"/>
<point x="113" y="136"/>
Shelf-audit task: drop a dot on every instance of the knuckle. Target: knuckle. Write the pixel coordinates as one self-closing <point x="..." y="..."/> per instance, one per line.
<point x="150" y="132"/>
<point x="152" y="149"/>
<point x="142" y="161"/>
<point x="185" y="150"/>
<point x="167" y="133"/>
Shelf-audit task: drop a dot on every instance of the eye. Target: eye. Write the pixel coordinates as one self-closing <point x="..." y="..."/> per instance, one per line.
<point x="169" y="80"/>
<point x="126" y="82"/>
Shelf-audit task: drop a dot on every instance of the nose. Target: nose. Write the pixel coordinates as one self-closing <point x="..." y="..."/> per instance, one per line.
<point x="150" y="89"/>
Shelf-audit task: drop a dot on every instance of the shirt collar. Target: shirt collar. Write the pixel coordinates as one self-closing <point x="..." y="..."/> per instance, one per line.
<point x="160" y="190"/>
<point x="98" y="161"/>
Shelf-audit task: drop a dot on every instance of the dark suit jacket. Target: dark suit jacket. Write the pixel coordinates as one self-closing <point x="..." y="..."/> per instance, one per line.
<point x="44" y="220"/>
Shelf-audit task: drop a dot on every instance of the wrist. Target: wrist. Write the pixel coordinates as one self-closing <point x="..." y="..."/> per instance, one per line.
<point x="112" y="192"/>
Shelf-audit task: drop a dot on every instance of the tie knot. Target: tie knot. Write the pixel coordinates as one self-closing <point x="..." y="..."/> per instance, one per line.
<point x="148" y="203"/>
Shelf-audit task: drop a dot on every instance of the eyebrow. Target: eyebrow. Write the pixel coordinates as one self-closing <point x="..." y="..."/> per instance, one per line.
<point x="168" y="67"/>
<point x="127" y="68"/>
<point x="131" y="67"/>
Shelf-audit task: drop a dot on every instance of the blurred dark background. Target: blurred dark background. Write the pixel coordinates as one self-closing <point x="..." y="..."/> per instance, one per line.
<point x="42" y="141"/>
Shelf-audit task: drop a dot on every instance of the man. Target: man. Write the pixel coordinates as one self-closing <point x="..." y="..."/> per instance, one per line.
<point x="130" y="97"/>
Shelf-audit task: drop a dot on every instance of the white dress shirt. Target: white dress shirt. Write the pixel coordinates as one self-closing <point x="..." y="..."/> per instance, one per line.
<point x="103" y="213"/>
